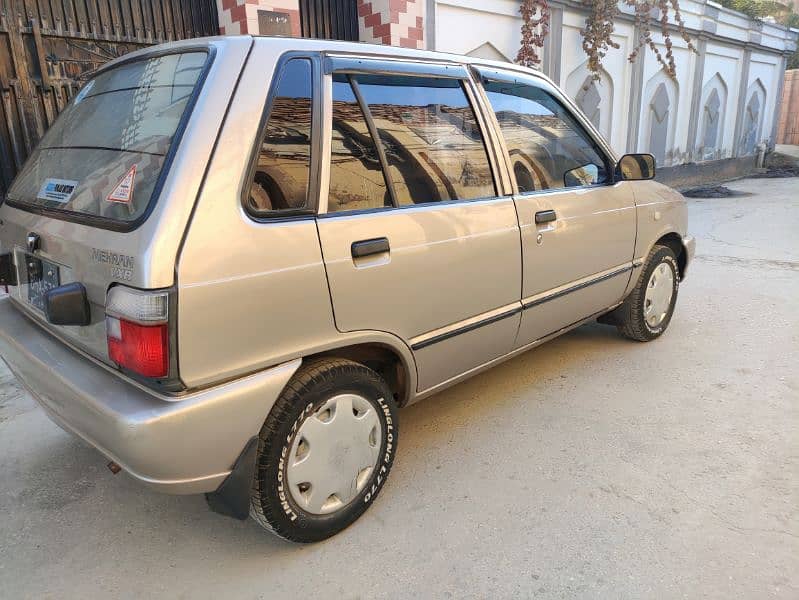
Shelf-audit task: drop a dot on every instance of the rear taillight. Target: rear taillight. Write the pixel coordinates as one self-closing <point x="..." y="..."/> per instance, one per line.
<point x="137" y="326"/>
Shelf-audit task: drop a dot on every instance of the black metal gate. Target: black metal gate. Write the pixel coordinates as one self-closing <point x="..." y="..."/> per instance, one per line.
<point x="329" y="19"/>
<point x="48" y="48"/>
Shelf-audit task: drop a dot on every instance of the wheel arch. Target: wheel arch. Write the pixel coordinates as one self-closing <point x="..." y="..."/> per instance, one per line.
<point x="393" y="362"/>
<point x="673" y="240"/>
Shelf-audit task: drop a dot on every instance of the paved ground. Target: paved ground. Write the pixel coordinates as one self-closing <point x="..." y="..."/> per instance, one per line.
<point x="790" y="150"/>
<point x="590" y="467"/>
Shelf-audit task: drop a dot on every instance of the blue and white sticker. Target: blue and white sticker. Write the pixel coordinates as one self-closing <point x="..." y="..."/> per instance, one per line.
<point x="84" y="92"/>
<point x="57" y="190"/>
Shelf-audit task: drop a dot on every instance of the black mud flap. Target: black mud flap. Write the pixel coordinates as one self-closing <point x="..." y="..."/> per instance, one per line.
<point x="232" y="498"/>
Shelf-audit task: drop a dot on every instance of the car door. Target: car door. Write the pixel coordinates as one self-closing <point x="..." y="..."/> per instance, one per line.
<point x="416" y="239"/>
<point x="577" y="225"/>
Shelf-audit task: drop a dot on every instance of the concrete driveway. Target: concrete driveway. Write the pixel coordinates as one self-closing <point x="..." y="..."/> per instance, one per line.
<point x="590" y="467"/>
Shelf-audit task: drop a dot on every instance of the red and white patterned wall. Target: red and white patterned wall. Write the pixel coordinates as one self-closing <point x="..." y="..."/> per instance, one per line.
<point x="392" y="22"/>
<point x="241" y="16"/>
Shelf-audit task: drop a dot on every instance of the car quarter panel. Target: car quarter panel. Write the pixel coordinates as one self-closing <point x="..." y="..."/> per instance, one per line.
<point x="145" y="257"/>
<point x="660" y="210"/>
<point x="251" y="294"/>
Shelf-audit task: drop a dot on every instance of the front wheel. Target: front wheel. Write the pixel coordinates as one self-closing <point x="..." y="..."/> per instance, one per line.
<point x="325" y="450"/>
<point x="647" y="311"/>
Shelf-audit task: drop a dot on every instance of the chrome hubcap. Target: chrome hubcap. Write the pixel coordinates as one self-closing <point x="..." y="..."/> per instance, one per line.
<point x="334" y="454"/>
<point x="659" y="291"/>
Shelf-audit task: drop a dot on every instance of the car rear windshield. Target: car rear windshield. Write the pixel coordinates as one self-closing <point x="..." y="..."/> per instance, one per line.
<point x="105" y="152"/>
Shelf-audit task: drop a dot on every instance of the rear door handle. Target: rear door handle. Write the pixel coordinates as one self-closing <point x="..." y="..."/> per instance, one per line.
<point x="370" y="247"/>
<point x="545" y="216"/>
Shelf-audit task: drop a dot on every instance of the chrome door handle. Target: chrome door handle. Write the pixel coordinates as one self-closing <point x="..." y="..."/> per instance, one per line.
<point x="545" y="216"/>
<point x="370" y="247"/>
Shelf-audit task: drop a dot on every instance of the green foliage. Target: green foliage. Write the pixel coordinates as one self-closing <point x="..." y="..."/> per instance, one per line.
<point x="757" y="9"/>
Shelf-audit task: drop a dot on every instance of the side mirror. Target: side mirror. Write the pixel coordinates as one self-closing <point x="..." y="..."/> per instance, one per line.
<point x="67" y="305"/>
<point x="581" y="176"/>
<point x="635" y="167"/>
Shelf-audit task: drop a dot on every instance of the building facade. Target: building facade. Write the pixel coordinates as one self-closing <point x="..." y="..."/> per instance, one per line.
<point x="723" y="104"/>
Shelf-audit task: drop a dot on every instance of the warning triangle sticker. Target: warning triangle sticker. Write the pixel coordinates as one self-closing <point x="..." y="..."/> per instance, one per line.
<point x="123" y="192"/>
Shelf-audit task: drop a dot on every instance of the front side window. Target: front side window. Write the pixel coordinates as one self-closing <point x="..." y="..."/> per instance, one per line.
<point x="283" y="171"/>
<point x="104" y="154"/>
<point x="548" y="148"/>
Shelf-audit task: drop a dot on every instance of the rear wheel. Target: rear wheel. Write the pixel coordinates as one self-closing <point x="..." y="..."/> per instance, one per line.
<point x="647" y="311"/>
<point x="325" y="450"/>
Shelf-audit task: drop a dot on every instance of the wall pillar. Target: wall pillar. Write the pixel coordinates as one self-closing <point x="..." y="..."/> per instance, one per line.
<point x="696" y="99"/>
<point x="636" y="96"/>
<point x="740" y="112"/>
<point x="392" y="22"/>
<point x="552" y="52"/>
<point x="265" y="17"/>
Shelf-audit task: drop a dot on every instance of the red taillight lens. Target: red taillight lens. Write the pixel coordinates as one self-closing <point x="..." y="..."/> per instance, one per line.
<point x="143" y="349"/>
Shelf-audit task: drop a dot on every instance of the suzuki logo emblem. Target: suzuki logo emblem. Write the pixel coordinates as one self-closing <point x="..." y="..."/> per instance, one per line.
<point x="34" y="242"/>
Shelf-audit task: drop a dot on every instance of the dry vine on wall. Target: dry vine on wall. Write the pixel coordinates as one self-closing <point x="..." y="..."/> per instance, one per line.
<point x="535" y="27"/>
<point x="598" y="30"/>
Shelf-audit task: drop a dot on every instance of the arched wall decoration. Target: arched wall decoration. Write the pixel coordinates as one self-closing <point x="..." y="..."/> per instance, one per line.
<point x="660" y="117"/>
<point x="589" y="100"/>
<point x="595" y="98"/>
<point x="753" y="117"/>
<point x="659" y="113"/>
<point x="710" y="140"/>
<point x="488" y="51"/>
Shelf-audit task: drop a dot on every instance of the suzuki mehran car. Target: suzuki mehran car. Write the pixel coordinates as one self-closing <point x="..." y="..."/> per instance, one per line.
<point x="231" y="260"/>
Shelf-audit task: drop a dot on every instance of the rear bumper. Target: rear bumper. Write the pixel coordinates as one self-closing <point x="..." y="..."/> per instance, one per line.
<point x="180" y="446"/>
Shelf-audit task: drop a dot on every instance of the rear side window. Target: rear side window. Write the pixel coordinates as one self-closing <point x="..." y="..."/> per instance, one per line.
<point x="429" y="145"/>
<point x="283" y="171"/>
<point x="429" y="133"/>
<point x="357" y="181"/>
<point x="548" y="148"/>
<point x="104" y="154"/>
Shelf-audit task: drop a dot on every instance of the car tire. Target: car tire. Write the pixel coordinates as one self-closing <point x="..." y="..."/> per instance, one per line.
<point x="657" y="287"/>
<point x="311" y="420"/>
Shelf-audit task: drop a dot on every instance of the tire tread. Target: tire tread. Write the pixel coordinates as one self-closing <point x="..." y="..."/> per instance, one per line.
<point x="629" y="316"/>
<point x="315" y="372"/>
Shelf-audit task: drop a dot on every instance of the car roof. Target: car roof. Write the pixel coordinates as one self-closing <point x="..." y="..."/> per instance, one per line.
<point x="385" y="51"/>
<point x="286" y="44"/>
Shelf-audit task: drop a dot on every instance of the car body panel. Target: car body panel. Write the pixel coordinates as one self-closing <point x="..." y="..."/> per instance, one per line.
<point x="660" y="211"/>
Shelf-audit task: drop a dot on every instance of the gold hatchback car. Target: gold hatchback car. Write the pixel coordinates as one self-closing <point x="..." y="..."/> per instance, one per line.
<point x="230" y="260"/>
